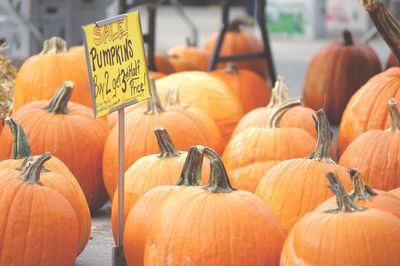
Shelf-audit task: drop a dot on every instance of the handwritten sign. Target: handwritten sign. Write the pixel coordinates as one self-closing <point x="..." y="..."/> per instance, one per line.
<point x="116" y="63"/>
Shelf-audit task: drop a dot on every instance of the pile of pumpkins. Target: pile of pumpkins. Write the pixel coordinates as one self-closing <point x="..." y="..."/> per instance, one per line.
<point x="220" y="169"/>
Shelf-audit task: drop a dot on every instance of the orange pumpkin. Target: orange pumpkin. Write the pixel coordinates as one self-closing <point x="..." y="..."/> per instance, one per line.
<point x="396" y="192"/>
<point x="31" y="84"/>
<point x="182" y="63"/>
<point x="375" y="153"/>
<point x="37" y="226"/>
<point x="192" y="226"/>
<point x="294" y="188"/>
<point x="346" y="235"/>
<point x="198" y="56"/>
<point x="336" y="72"/>
<point x="250" y="88"/>
<point x="163" y="64"/>
<point x="71" y="133"/>
<point x="251" y="153"/>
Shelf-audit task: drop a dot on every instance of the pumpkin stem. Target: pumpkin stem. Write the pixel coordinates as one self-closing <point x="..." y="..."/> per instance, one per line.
<point x="394" y="115"/>
<point x="360" y="190"/>
<point x="154" y="104"/>
<point x="191" y="171"/>
<point x="347" y="38"/>
<point x="218" y="180"/>
<point x="54" y="45"/>
<point x="325" y="137"/>
<point x="172" y="97"/>
<point x="31" y="173"/>
<point x="231" y="68"/>
<point x="386" y="24"/>
<point x="276" y="114"/>
<point x="59" y="102"/>
<point x="20" y="145"/>
<point x="343" y="200"/>
<point x="189" y="42"/>
<point x="165" y="143"/>
<point x="280" y="93"/>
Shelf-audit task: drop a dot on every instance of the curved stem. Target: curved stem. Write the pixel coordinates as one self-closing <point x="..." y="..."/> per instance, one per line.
<point x="325" y="137"/>
<point x="386" y="24"/>
<point x="343" y="200"/>
<point x="165" y="143"/>
<point x="54" y="45"/>
<point x="231" y="68"/>
<point x="280" y="93"/>
<point x="347" y="38"/>
<point x="191" y="171"/>
<point x="218" y="180"/>
<point x="276" y="114"/>
<point x="20" y="145"/>
<point x="59" y="102"/>
<point x="360" y="190"/>
<point x="153" y="103"/>
<point x="394" y="115"/>
<point x="31" y="173"/>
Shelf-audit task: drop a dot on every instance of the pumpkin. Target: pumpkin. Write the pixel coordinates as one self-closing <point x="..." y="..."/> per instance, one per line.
<point x="365" y="110"/>
<point x="37" y="226"/>
<point x="297" y="116"/>
<point x="183" y="127"/>
<point x="250" y="88"/>
<point x="198" y="56"/>
<point x="346" y="235"/>
<point x="392" y="61"/>
<point x="294" y="187"/>
<point x="396" y="192"/>
<point x="41" y="74"/>
<point x="70" y="132"/>
<point x="239" y="41"/>
<point x="144" y="211"/>
<point x="8" y="73"/>
<point x="336" y="72"/>
<point x="375" y="153"/>
<point x="251" y="153"/>
<point x="163" y="65"/>
<point x="208" y="93"/>
<point x="181" y="63"/>
<point x="150" y="171"/>
<point x="199" y="226"/>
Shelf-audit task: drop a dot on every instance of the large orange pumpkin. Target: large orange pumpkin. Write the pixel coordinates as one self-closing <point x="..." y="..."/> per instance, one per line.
<point x="336" y="72"/>
<point x="37" y="224"/>
<point x="296" y="187"/>
<point x="376" y="153"/>
<point x="366" y="108"/>
<point x="70" y="132"/>
<point x="250" y="88"/>
<point x="40" y="75"/>
<point x="199" y="226"/>
<point x="198" y="56"/>
<point x="251" y="153"/>
<point x="346" y="235"/>
<point x="396" y="192"/>
<point x="183" y="126"/>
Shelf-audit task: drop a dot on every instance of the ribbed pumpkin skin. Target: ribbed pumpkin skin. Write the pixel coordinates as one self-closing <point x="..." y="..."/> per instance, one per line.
<point x="335" y="73"/>
<point x="203" y="91"/>
<point x="366" y="108"/>
<point x="75" y="138"/>
<point x="396" y="192"/>
<point x="197" y="227"/>
<point x="251" y="153"/>
<point x="37" y="226"/>
<point x="198" y="56"/>
<point x="336" y="239"/>
<point x="251" y="90"/>
<point x="375" y="154"/>
<point x="296" y="187"/>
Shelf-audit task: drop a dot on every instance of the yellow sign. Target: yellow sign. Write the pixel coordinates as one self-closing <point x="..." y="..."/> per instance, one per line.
<point x="116" y="63"/>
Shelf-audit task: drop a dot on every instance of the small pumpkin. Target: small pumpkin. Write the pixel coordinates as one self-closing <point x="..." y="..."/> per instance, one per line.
<point x="375" y="153"/>
<point x="198" y="56"/>
<point x="294" y="187"/>
<point x="346" y="235"/>
<point x="38" y="226"/>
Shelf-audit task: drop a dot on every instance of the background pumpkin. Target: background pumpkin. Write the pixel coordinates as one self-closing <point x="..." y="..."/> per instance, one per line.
<point x="199" y="56"/>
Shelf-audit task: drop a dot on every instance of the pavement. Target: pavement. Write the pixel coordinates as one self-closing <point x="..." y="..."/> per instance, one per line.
<point x="291" y="57"/>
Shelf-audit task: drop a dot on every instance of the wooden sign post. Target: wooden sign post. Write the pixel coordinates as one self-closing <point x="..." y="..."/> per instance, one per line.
<point x="118" y="78"/>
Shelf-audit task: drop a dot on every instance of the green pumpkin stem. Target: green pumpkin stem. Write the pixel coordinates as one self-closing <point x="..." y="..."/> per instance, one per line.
<point x="191" y="171"/>
<point x="280" y="93"/>
<point x="20" y="145"/>
<point x="343" y="200"/>
<point x="54" y="45"/>
<point x="277" y="114"/>
<point x="31" y="173"/>
<point x="153" y="103"/>
<point x="394" y="115"/>
<point x="218" y="180"/>
<point x="59" y="103"/>
<point x="347" y="38"/>
<point x="360" y="190"/>
<point x="231" y="68"/>
<point x="386" y="24"/>
<point x="165" y="143"/>
<point x="325" y="137"/>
